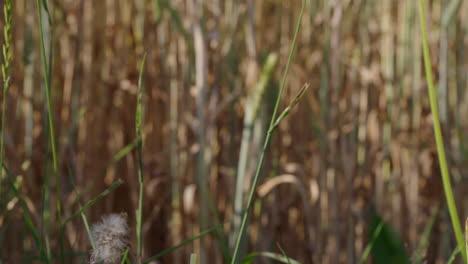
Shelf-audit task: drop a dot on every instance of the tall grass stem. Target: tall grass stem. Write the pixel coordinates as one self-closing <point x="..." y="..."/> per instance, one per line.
<point x="438" y="135"/>
<point x="47" y="76"/>
<point x="7" y="57"/>
<point x="243" y="226"/>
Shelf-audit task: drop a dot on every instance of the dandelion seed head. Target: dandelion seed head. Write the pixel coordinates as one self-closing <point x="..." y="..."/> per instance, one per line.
<point x="111" y="238"/>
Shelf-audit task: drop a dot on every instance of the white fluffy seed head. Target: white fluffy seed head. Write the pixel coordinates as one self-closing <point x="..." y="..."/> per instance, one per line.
<point x="110" y="236"/>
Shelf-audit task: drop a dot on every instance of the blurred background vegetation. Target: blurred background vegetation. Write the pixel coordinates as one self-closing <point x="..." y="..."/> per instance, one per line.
<point x="358" y="148"/>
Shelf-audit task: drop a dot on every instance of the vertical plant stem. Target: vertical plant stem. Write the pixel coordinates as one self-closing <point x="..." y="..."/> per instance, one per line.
<point x="243" y="227"/>
<point x="6" y="51"/>
<point x="438" y="135"/>
<point x="138" y="122"/>
<point x="251" y="112"/>
<point x="47" y="67"/>
<point x="466" y="236"/>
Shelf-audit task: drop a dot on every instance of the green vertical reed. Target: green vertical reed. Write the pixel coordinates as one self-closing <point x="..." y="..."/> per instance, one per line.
<point x="438" y="135"/>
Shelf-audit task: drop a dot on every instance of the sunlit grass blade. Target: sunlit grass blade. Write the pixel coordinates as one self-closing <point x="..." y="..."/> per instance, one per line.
<point x="193" y="258"/>
<point x="274" y="256"/>
<point x="256" y="178"/>
<point x="169" y="250"/>
<point x="284" y="253"/>
<point x="438" y="135"/>
<point x="138" y="123"/>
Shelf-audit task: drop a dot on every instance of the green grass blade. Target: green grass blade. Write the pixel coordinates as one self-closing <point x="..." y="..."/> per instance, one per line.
<point x="466" y="236"/>
<point x="438" y="135"/>
<point x="371" y="243"/>
<point x="93" y="201"/>
<point x="125" y="257"/>
<point x="454" y="255"/>
<point x="125" y="150"/>
<point x="47" y="67"/>
<point x="83" y="215"/>
<point x="88" y="230"/>
<point x="385" y="244"/>
<point x="138" y="122"/>
<point x="169" y="250"/>
<point x="243" y="227"/>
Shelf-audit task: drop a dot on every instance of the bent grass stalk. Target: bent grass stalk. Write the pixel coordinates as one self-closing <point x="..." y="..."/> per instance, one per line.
<point x="271" y="128"/>
<point x="438" y="136"/>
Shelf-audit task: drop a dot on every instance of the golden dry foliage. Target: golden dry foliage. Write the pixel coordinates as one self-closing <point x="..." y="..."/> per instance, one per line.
<point x="360" y="140"/>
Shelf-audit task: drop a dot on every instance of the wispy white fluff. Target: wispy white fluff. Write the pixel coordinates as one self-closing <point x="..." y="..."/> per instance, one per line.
<point x="111" y="238"/>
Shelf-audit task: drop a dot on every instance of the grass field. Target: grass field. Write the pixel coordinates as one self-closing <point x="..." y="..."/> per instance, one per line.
<point x="222" y="131"/>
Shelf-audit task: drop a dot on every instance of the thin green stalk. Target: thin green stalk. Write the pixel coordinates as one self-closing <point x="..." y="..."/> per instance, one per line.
<point x="371" y="243"/>
<point x="252" y="107"/>
<point x="466" y="236"/>
<point x="138" y="118"/>
<point x="453" y="255"/>
<point x="438" y="135"/>
<point x="6" y="51"/>
<point x="243" y="227"/>
<point x="125" y="257"/>
<point x="83" y="216"/>
<point x="46" y="66"/>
